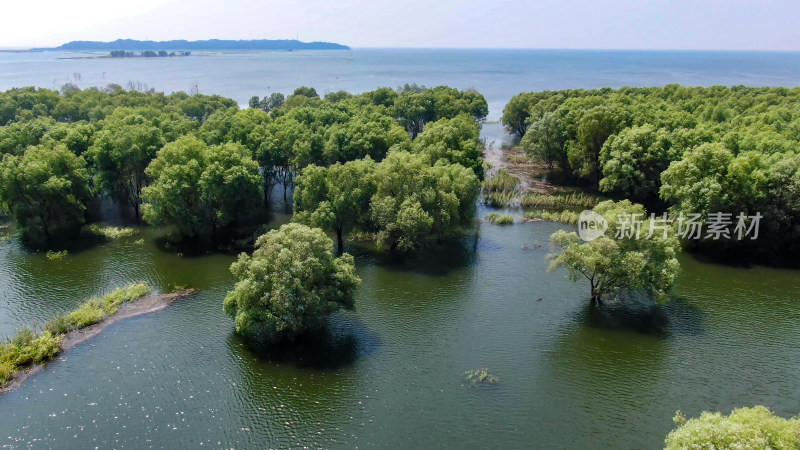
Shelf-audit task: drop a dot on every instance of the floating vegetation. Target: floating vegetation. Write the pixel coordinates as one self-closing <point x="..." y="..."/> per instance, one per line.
<point x="480" y="376"/>
<point x="566" y="216"/>
<point x="573" y="200"/>
<point x="96" y="309"/>
<point x="56" y="256"/>
<point x="112" y="232"/>
<point x="499" y="219"/>
<point x="502" y="181"/>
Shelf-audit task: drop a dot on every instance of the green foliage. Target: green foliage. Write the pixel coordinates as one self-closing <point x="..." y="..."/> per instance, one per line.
<point x="417" y="106"/>
<point x="414" y="200"/>
<point x="499" y="219"/>
<point x="121" y="153"/>
<point x="290" y="284"/>
<point x="46" y="190"/>
<point x="554" y="201"/>
<point x="745" y="428"/>
<point x="645" y="264"/>
<point x="634" y="159"/>
<point x="196" y="186"/>
<point x="335" y="198"/>
<point x="455" y="141"/>
<point x="544" y="142"/>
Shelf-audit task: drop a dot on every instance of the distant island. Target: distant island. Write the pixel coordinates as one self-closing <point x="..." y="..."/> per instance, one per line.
<point x="184" y="45"/>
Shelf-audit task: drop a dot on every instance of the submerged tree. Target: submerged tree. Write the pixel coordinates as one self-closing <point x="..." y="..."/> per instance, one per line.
<point x="335" y="198"/>
<point x="196" y="186"/>
<point x="290" y="284"/>
<point x="622" y="259"/>
<point x="45" y="189"/>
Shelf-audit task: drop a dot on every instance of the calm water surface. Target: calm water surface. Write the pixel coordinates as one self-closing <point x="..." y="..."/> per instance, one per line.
<point x="392" y="373"/>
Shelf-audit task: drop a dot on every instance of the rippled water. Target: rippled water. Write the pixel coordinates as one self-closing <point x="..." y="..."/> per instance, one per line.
<point x="392" y="373"/>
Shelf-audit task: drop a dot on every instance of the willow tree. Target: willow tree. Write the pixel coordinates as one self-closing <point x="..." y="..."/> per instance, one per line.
<point x="622" y="259"/>
<point x="290" y="284"/>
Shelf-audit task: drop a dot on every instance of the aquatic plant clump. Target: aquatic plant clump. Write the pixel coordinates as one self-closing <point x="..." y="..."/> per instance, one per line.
<point x="56" y="256"/>
<point x="480" y="376"/>
<point x="566" y="216"/>
<point x="25" y="349"/>
<point x="499" y="219"/>
<point x="112" y="233"/>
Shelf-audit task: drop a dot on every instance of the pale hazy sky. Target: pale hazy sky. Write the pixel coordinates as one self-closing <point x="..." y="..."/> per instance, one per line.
<point x="624" y="24"/>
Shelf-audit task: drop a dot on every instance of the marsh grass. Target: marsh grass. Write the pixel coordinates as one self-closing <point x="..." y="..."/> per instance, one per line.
<point x="480" y="376"/>
<point x="502" y="181"/>
<point x="566" y="216"/>
<point x="138" y="242"/>
<point x="499" y="219"/>
<point x="112" y="233"/>
<point x="500" y="199"/>
<point x="56" y="256"/>
<point x="518" y="159"/>
<point x="572" y="200"/>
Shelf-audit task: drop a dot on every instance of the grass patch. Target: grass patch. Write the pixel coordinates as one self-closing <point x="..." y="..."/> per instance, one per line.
<point x="112" y="232"/>
<point x="56" y="256"/>
<point x="480" y="376"/>
<point x="499" y="219"/>
<point x="96" y="309"/>
<point x="25" y="349"/>
<point x="566" y="216"/>
<point x="502" y="181"/>
<point x="138" y="242"/>
<point x="573" y="200"/>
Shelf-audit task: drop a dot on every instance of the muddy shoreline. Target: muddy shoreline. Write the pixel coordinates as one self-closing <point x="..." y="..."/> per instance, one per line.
<point x="140" y="307"/>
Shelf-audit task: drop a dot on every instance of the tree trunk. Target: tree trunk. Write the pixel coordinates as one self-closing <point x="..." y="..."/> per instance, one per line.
<point x="339" y="240"/>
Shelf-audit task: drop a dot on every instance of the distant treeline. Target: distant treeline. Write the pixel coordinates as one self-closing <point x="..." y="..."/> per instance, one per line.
<point x="210" y="44"/>
<point x="147" y="54"/>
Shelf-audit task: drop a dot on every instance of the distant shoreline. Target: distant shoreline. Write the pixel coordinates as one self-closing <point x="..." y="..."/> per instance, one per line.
<point x="130" y="45"/>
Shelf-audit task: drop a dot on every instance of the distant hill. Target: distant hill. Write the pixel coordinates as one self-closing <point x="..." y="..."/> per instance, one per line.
<point x="211" y="44"/>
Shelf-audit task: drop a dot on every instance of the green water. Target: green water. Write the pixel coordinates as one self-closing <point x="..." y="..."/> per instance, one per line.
<point x="391" y="374"/>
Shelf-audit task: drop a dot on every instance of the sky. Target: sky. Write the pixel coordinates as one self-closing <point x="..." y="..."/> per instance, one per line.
<point x="609" y="24"/>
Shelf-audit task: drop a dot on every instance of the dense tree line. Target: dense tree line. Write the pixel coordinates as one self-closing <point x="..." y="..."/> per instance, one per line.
<point x="198" y="164"/>
<point x="694" y="150"/>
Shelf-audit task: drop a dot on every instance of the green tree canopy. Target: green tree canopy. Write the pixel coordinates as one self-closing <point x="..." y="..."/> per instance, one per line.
<point x="454" y="141"/>
<point x="335" y="198"/>
<point x="290" y="284"/>
<point x="636" y="263"/>
<point x="45" y="189"/>
<point x="196" y="186"/>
